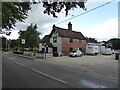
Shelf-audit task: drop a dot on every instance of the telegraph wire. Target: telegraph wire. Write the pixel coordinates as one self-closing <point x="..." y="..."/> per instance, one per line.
<point x="81" y="14"/>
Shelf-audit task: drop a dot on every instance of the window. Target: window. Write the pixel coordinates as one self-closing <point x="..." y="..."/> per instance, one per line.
<point x="54" y="39"/>
<point x="55" y="32"/>
<point x="71" y="40"/>
<point x="80" y="41"/>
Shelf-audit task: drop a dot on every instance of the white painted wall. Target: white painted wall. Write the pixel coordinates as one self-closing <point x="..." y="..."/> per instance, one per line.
<point x="40" y="46"/>
<point x="50" y="50"/>
<point x="58" y="44"/>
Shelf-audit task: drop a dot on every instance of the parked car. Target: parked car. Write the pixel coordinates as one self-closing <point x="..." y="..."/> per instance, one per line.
<point x="107" y="51"/>
<point x="75" y="53"/>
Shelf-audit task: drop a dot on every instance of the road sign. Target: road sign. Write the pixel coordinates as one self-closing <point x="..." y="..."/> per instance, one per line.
<point x="23" y="41"/>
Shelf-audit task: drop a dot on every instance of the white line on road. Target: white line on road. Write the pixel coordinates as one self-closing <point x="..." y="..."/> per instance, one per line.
<point x="91" y="84"/>
<point x="12" y="58"/>
<point x="49" y="76"/>
<point x="19" y="63"/>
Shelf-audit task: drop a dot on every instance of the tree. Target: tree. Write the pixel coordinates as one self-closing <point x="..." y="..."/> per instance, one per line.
<point x="13" y="12"/>
<point x="114" y="43"/>
<point x="31" y="36"/>
<point x="4" y="44"/>
<point x="91" y="40"/>
<point x="14" y="43"/>
<point x="56" y="7"/>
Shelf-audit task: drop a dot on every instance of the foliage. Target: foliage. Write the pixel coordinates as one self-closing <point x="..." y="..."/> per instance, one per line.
<point x="0" y="14"/>
<point x="18" y="52"/>
<point x="13" y="12"/>
<point x="4" y="44"/>
<point x="91" y="40"/>
<point x="31" y="36"/>
<point x="14" y="43"/>
<point x="57" y="7"/>
<point x="114" y="43"/>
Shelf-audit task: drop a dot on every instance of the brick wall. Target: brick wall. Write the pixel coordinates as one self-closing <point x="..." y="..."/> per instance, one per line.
<point x="66" y="45"/>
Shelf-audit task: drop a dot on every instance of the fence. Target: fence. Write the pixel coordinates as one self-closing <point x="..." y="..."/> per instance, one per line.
<point x="44" y="55"/>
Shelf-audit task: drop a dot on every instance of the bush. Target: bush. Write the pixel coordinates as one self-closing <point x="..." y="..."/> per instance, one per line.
<point x="34" y="53"/>
<point x="18" y="52"/>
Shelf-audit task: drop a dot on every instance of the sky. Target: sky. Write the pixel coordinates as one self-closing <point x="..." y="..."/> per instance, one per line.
<point x="101" y="24"/>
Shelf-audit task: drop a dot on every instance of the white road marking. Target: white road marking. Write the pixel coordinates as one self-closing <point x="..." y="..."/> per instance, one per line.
<point x="12" y="58"/>
<point x="49" y="76"/>
<point x="19" y="63"/>
<point x="91" y="84"/>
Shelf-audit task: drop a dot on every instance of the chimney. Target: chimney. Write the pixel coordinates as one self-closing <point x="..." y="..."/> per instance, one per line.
<point x="70" y="26"/>
<point x="53" y="26"/>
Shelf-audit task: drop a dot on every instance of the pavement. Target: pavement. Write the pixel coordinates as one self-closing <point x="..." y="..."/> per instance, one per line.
<point x="19" y="72"/>
<point x="28" y="57"/>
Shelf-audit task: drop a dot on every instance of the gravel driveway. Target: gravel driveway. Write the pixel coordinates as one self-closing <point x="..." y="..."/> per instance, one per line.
<point x="105" y="64"/>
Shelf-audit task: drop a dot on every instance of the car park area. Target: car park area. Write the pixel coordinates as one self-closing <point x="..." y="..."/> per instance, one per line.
<point x="105" y="64"/>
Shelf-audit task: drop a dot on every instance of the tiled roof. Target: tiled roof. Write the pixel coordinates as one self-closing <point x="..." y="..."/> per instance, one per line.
<point x="63" y="33"/>
<point x="46" y="39"/>
<point x="69" y="34"/>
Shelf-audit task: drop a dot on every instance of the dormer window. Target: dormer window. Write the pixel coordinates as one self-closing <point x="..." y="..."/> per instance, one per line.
<point x="55" y="40"/>
<point x="55" y="32"/>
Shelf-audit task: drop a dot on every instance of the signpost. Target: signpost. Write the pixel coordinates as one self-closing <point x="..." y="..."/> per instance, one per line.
<point x="23" y="42"/>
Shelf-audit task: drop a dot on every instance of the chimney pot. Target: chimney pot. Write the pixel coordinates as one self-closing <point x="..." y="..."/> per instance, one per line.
<point x="70" y="26"/>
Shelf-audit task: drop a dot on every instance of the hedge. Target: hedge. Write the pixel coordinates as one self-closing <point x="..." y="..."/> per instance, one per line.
<point x="18" y="52"/>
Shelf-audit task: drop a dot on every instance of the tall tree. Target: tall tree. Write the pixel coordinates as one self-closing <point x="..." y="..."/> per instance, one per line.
<point x="31" y="36"/>
<point x="4" y="44"/>
<point x="13" y="12"/>
<point x="14" y="43"/>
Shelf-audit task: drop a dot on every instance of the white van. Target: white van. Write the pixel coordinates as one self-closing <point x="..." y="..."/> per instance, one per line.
<point x="92" y="49"/>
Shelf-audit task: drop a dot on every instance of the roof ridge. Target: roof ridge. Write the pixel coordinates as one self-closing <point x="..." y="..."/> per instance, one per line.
<point x="61" y="28"/>
<point x="67" y="29"/>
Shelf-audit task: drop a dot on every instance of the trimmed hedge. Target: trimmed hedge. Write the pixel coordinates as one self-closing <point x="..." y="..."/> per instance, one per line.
<point x="18" y="52"/>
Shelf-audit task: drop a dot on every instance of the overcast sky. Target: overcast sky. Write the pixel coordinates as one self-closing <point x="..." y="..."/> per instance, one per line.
<point x="101" y="23"/>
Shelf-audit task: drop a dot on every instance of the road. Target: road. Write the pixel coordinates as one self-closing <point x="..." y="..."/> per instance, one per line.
<point x="19" y="72"/>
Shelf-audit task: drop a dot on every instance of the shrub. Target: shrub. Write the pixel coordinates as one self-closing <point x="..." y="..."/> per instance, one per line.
<point x="18" y="52"/>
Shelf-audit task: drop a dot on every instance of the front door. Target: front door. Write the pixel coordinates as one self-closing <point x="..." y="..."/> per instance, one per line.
<point x="54" y="49"/>
<point x="55" y="54"/>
